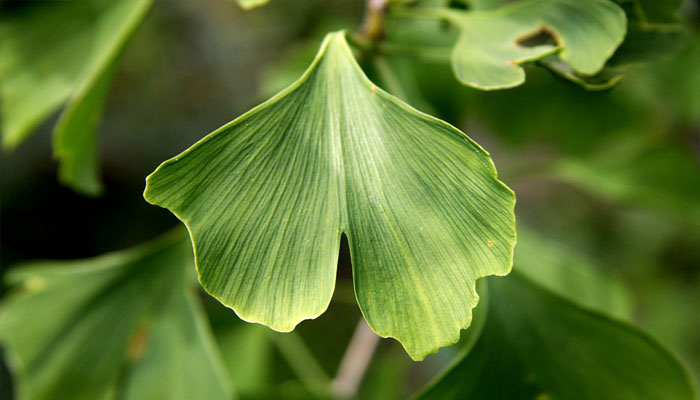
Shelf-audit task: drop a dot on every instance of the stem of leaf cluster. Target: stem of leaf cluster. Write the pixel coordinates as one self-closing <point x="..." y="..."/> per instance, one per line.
<point x="373" y="24"/>
<point x="355" y="361"/>
<point x="371" y="41"/>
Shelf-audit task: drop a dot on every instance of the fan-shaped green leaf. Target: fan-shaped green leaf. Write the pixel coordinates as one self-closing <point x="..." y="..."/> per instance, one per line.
<point x="267" y="197"/>
<point x="58" y="51"/>
<point x="493" y="43"/>
<point x="536" y="345"/>
<point x="124" y="325"/>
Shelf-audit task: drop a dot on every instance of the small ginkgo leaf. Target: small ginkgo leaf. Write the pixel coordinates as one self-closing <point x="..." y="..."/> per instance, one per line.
<point x="494" y="43"/>
<point x="53" y="52"/>
<point x="536" y="345"/>
<point x="125" y="325"/>
<point x="267" y="197"/>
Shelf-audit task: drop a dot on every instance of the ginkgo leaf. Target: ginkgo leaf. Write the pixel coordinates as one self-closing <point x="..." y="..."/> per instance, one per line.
<point x="75" y="139"/>
<point x="536" y="345"/>
<point x="125" y="324"/>
<point x="267" y="197"/>
<point x="61" y="51"/>
<point x="493" y="43"/>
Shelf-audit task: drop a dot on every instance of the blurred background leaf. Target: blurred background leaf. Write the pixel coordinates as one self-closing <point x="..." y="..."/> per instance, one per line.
<point x="124" y="324"/>
<point x="58" y="51"/>
<point x="537" y="345"/>
<point x="493" y="43"/>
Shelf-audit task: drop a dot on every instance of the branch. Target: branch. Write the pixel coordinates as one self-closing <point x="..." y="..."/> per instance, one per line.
<point x="373" y="24"/>
<point x="355" y="361"/>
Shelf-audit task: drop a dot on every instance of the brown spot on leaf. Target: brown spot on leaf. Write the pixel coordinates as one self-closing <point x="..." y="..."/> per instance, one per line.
<point x="490" y="243"/>
<point x="138" y="342"/>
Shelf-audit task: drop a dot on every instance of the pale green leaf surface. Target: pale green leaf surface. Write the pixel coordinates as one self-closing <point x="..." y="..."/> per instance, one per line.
<point x="267" y="197"/>
<point x="488" y="54"/>
<point x="124" y="324"/>
<point x="58" y="51"/>
<point x="536" y="345"/>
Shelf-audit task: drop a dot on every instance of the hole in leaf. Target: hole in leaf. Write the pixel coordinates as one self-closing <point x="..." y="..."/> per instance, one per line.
<point x="541" y="37"/>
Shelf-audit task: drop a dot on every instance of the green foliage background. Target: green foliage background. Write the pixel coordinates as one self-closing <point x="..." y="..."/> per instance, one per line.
<point x="608" y="182"/>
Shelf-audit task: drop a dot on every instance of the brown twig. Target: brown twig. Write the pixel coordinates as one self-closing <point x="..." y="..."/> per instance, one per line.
<point x="373" y="23"/>
<point x="355" y="361"/>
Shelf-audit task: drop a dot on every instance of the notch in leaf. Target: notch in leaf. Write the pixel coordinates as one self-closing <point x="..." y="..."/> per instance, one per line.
<point x="267" y="197"/>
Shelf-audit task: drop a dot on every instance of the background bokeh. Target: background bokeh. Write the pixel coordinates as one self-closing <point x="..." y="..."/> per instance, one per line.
<point x="611" y="178"/>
